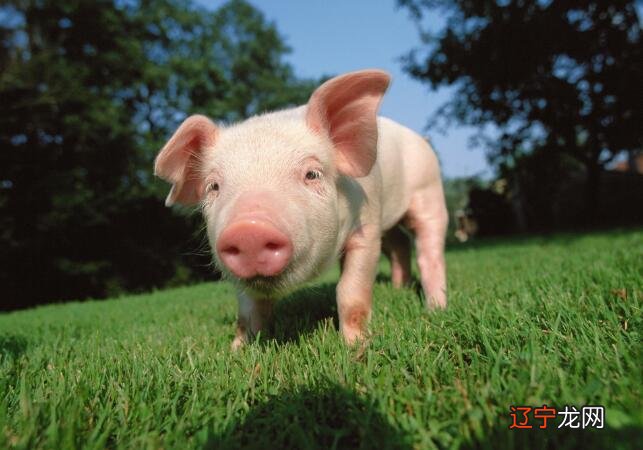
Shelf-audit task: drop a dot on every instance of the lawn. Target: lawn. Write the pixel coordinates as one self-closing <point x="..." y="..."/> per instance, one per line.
<point x="550" y="321"/>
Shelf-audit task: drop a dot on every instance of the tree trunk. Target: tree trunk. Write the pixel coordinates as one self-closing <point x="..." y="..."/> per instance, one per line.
<point x="632" y="157"/>
<point x="592" y="186"/>
<point x="518" y="203"/>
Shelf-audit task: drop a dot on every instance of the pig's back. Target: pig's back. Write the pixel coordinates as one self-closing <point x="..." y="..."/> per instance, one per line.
<point x="407" y="164"/>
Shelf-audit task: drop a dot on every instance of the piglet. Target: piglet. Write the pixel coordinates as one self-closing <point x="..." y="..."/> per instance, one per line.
<point x="288" y="193"/>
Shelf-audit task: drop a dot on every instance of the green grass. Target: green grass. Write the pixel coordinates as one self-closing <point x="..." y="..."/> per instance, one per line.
<point x="531" y="321"/>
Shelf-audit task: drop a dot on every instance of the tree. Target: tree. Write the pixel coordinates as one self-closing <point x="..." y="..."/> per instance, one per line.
<point x="558" y="78"/>
<point x="89" y="91"/>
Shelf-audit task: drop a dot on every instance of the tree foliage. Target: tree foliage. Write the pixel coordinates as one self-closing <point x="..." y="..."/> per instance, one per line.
<point x="559" y="78"/>
<point x="89" y="91"/>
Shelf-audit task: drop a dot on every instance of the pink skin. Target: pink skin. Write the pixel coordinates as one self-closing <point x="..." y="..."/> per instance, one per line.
<point x="252" y="247"/>
<point x="397" y="248"/>
<point x="254" y="241"/>
<point x="287" y="193"/>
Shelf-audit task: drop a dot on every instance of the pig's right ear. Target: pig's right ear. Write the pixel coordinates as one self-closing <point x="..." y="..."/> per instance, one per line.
<point x="178" y="160"/>
<point x="345" y="109"/>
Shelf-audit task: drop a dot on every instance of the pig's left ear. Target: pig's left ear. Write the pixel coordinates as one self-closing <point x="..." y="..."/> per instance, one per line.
<point x="178" y="160"/>
<point x="345" y="107"/>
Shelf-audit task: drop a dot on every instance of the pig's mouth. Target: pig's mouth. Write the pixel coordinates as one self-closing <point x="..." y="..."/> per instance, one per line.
<point x="265" y="284"/>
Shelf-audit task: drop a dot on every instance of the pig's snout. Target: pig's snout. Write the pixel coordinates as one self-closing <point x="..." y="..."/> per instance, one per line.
<point x="253" y="247"/>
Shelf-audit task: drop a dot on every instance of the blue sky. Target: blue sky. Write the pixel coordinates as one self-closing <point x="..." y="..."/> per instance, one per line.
<point x="335" y="36"/>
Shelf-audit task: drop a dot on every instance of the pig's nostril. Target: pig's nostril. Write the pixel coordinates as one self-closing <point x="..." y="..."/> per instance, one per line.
<point x="231" y="250"/>
<point x="251" y="248"/>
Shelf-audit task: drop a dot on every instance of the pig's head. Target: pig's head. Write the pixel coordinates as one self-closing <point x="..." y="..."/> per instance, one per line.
<point x="268" y="186"/>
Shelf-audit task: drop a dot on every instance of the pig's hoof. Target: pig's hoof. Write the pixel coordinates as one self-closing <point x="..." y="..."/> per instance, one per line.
<point x="237" y="343"/>
<point x="436" y="303"/>
<point x="354" y="336"/>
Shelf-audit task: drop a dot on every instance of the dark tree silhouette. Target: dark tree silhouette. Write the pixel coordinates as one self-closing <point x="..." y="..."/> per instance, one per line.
<point x="554" y="77"/>
<point x="89" y="91"/>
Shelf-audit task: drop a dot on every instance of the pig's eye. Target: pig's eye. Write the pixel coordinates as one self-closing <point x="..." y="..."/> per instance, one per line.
<point x="313" y="175"/>
<point x="213" y="187"/>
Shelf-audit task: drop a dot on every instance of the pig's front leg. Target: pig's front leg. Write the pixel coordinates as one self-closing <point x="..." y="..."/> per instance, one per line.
<point x="255" y="315"/>
<point x="355" y="287"/>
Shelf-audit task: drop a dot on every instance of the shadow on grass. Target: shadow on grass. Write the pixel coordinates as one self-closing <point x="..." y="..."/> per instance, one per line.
<point x="385" y="278"/>
<point x="12" y="345"/>
<point x="502" y="437"/>
<point x="301" y="312"/>
<point x="311" y="418"/>
<point x="415" y="284"/>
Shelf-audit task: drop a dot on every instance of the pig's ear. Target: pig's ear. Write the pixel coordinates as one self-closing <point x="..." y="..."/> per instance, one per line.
<point x="345" y="107"/>
<point x="178" y="160"/>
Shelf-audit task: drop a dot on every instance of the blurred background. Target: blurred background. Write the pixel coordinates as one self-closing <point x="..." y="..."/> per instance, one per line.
<point x="534" y="108"/>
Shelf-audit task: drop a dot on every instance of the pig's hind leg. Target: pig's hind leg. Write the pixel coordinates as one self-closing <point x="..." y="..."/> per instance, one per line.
<point x="428" y="218"/>
<point x="396" y="245"/>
